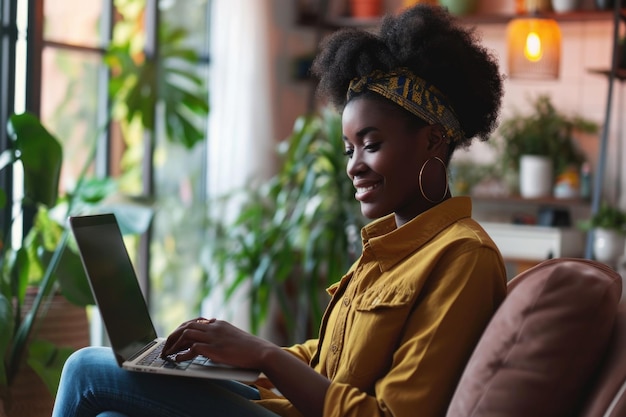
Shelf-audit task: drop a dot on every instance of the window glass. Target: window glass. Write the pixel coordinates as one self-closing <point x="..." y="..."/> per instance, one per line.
<point x="180" y="178"/>
<point x="72" y="104"/>
<point x="69" y="105"/>
<point x="75" y="22"/>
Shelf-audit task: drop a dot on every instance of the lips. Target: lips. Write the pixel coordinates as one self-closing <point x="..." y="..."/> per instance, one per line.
<point x="363" y="191"/>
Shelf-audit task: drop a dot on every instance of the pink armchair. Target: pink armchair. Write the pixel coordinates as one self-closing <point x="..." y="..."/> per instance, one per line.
<point x="555" y="347"/>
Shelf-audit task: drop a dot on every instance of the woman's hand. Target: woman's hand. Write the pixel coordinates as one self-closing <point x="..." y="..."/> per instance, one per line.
<point x="222" y="342"/>
<point x="218" y="340"/>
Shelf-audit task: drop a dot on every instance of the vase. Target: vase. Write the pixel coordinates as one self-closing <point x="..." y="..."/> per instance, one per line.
<point x="564" y="6"/>
<point x="538" y="6"/>
<point x="535" y="176"/>
<point x="608" y="245"/>
<point x="64" y="324"/>
<point x="411" y="3"/>
<point x="460" y="7"/>
<point x="364" y="9"/>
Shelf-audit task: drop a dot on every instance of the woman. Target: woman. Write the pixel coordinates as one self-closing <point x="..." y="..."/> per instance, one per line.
<point x="403" y="321"/>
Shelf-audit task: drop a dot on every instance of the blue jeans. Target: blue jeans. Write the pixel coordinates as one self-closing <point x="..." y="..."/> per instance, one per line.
<point x="92" y="384"/>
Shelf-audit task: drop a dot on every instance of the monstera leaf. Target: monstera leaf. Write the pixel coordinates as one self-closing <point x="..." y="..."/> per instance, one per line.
<point x="41" y="156"/>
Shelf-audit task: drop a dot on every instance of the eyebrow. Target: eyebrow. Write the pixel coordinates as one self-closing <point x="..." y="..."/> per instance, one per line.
<point x="362" y="132"/>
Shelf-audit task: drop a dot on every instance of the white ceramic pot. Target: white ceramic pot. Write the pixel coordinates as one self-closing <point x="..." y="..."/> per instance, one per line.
<point x="564" y="6"/>
<point x="535" y="176"/>
<point x="608" y="245"/>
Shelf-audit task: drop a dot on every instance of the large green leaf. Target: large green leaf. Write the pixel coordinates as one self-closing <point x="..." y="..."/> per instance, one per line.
<point x="139" y="84"/>
<point x="72" y="279"/>
<point x="6" y="332"/>
<point x="296" y="233"/>
<point x="41" y="155"/>
<point x="47" y="360"/>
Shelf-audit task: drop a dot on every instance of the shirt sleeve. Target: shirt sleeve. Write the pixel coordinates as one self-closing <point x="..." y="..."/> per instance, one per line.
<point x="440" y="333"/>
<point x="304" y="351"/>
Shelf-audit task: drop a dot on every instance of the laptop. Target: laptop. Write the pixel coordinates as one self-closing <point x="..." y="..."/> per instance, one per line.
<point x="123" y="308"/>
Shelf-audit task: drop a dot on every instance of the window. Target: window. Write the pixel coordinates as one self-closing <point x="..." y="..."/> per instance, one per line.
<point x="67" y="86"/>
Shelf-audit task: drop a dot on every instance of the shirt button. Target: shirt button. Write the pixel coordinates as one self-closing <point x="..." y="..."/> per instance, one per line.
<point x="334" y="348"/>
<point x="346" y="301"/>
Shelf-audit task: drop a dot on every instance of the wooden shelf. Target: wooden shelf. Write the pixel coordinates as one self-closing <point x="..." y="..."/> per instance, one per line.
<point x="474" y="19"/>
<point x="578" y="16"/>
<point x="544" y="201"/>
<point x="620" y="73"/>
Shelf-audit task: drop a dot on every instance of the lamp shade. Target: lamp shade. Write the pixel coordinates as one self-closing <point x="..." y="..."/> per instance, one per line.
<point x="534" y="48"/>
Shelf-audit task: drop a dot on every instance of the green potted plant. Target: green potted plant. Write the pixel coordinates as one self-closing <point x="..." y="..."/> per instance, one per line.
<point x="608" y="226"/>
<point x="294" y="234"/>
<point x="607" y="217"/>
<point x="44" y="268"/>
<point x="543" y="142"/>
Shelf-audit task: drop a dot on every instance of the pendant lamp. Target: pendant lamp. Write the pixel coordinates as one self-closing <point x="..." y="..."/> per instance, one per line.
<point x="534" y="48"/>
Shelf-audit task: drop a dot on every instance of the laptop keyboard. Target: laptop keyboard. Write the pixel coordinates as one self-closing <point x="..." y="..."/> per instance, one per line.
<point x="153" y="359"/>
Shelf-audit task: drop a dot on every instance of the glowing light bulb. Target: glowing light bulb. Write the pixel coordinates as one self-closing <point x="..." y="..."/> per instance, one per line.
<point x="533" y="50"/>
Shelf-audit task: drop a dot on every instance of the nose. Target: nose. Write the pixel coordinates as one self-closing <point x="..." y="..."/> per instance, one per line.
<point x="355" y="165"/>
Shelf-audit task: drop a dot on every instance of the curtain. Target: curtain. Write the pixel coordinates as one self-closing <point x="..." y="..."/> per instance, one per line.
<point x="240" y="125"/>
<point x="241" y="138"/>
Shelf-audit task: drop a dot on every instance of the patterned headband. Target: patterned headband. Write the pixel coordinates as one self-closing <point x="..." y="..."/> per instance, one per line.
<point x="413" y="94"/>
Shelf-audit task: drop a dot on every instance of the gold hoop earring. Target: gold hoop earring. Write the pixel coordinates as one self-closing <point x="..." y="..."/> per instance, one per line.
<point x="445" y="192"/>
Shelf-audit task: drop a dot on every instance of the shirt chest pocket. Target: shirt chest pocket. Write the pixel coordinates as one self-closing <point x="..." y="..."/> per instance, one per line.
<point x="380" y="314"/>
<point x="380" y="298"/>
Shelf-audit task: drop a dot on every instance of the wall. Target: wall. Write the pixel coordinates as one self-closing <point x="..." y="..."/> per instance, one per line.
<point x="586" y="45"/>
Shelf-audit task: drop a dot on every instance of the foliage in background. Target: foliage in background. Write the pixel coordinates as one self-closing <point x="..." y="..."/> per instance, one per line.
<point x="149" y="93"/>
<point x="608" y="217"/>
<point x="295" y="234"/>
<point x="465" y="175"/>
<point x="165" y="95"/>
<point x="46" y="258"/>
<point x="545" y="131"/>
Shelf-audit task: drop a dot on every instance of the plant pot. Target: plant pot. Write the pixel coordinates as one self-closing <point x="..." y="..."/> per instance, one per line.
<point x="365" y="8"/>
<point x="459" y="7"/>
<point x="564" y="6"/>
<point x="538" y="6"/>
<point x="608" y="245"/>
<point x="411" y="3"/>
<point x="64" y="324"/>
<point x="607" y="4"/>
<point x="535" y="176"/>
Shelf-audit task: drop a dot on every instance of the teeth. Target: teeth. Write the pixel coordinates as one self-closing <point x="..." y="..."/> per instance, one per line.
<point x="365" y="189"/>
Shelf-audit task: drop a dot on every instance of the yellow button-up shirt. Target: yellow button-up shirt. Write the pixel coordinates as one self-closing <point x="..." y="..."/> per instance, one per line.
<point x="402" y="323"/>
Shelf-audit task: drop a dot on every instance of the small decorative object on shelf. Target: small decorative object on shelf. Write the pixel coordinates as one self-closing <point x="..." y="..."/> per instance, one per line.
<point x="585" y="181"/>
<point x="567" y="184"/>
<point x="460" y="7"/>
<point x="538" y="6"/>
<point x="564" y="6"/>
<point x="307" y="11"/>
<point x="608" y="245"/>
<point x="609" y="233"/>
<point x="366" y="8"/>
<point x="544" y="132"/>
<point x="604" y="4"/>
<point x="409" y="3"/>
<point x="535" y="176"/>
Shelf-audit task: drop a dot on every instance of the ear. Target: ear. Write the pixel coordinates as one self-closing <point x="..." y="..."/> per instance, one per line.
<point x="437" y="139"/>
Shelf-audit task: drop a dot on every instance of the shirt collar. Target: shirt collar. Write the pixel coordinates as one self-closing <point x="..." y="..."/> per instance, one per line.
<point x="390" y="244"/>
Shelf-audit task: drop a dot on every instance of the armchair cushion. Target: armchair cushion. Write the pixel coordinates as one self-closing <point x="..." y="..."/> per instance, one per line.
<point x="544" y="343"/>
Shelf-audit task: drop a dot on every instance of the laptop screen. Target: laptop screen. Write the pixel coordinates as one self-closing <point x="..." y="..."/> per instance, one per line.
<point x="113" y="283"/>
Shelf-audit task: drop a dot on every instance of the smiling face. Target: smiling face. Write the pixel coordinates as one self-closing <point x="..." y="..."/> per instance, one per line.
<point x="385" y="157"/>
